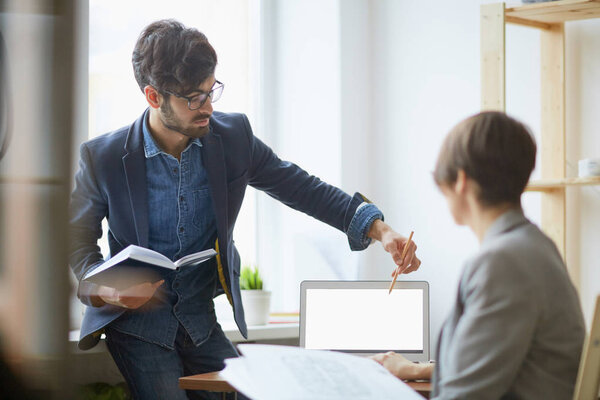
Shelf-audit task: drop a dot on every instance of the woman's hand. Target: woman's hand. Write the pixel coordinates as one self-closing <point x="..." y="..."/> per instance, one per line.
<point x="402" y="367"/>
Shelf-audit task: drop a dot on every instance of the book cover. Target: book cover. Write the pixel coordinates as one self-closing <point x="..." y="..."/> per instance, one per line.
<point x="135" y="265"/>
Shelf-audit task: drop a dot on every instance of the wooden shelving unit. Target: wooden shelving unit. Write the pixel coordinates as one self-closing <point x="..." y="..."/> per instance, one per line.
<point x="542" y="15"/>
<point x="549" y="18"/>
<point x="548" y="185"/>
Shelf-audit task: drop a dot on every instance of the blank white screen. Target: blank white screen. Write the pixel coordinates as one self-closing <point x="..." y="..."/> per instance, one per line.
<point x="364" y="319"/>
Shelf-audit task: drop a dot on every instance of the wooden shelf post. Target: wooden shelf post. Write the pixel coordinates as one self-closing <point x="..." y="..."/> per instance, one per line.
<point x="493" y="64"/>
<point x="553" y="159"/>
<point x="493" y="97"/>
<point x="549" y="18"/>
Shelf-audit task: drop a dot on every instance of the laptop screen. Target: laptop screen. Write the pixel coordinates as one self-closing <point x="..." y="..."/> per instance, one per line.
<point x="362" y="317"/>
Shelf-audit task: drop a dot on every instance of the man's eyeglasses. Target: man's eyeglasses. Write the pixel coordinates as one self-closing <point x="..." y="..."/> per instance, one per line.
<point x="196" y="101"/>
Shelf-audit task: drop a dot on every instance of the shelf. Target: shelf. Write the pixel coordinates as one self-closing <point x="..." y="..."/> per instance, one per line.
<point x="543" y="15"/>
<point x="547" y="185"/>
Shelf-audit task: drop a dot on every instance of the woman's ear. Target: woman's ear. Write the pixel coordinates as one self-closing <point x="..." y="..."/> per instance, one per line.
<point x="461" y="181"/>
<point x="152" y="96"/>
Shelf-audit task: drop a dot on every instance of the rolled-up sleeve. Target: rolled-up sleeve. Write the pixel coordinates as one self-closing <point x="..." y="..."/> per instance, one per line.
<point x="360" y="225"/>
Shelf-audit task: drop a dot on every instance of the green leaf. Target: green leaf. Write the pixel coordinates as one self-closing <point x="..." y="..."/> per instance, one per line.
<point x="259" y="282"/>
<point x="250" y="278"/>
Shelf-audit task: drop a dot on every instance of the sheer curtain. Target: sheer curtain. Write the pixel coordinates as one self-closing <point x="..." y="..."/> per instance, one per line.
<point x="301" y="120"/>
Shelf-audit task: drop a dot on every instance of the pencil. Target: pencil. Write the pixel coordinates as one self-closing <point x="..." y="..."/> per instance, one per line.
<point x="403" y="255"/>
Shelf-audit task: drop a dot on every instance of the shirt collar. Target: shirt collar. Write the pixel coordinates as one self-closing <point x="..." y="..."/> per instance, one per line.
<point x="151" y="148"/>
<point x="505" y="222"/>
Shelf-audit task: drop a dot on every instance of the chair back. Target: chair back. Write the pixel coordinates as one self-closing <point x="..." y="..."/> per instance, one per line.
<point x="588" y="376"/>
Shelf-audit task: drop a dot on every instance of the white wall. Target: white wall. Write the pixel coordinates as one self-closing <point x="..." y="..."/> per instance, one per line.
<point x="428" y="69"/>
<point x="426" y="78"/>
<point x="408" y="72"/>
<point x="583" y="141"/>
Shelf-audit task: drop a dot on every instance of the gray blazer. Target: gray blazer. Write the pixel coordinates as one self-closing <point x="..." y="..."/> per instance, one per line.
<point x="516" y="330"/>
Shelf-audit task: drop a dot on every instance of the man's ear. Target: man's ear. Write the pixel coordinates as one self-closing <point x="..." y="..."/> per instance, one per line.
<point x="152" y="96"/>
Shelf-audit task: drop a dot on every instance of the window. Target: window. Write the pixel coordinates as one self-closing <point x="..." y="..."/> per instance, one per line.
<point x="262" y="49"/>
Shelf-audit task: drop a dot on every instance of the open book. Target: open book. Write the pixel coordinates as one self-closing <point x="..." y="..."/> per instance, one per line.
<point x="134" y="265"/>
<point x="268" y="372"/>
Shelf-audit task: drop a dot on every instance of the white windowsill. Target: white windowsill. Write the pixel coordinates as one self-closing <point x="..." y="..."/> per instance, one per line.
<point x="255" y="333"/>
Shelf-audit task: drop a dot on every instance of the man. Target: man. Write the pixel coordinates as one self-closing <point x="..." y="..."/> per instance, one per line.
<point x="516" y="330"/>
<point x="174" y="181"/>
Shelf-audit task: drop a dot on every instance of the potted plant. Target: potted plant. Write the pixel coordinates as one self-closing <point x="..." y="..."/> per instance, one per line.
<point x="256" y="301"/>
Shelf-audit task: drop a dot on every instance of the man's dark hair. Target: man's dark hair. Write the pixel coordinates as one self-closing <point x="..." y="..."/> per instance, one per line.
<point x="495" y="150"/>
<point x="169" y="56"/>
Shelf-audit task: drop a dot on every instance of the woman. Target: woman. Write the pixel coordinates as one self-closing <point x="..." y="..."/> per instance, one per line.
<point x="516" y="330"/>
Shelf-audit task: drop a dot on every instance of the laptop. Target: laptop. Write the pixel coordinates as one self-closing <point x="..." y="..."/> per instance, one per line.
<point x="360" y="317"/>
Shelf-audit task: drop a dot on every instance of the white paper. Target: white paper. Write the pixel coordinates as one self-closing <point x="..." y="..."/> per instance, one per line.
<point x="267" y="372"/>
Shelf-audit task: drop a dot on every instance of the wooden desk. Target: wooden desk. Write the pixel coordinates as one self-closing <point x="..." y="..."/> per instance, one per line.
<point x="212" y="381"/>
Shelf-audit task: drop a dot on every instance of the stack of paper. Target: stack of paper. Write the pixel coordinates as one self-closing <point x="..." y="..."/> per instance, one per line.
<point x="284" y="318"/>
<point x="267" y="372"/>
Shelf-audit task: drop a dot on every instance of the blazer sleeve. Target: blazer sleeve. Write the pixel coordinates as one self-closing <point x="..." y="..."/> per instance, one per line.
<point x="88" y="207"/>
<point x="294" y="187"/>
<point x="494" y="333"/>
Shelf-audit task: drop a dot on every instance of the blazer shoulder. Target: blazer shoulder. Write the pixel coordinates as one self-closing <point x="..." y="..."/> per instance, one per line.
<point x="527" y="248"/>
<point x="108" y="145"/>
<point x="523" y="258"/>
<point x="230" y="123"/>
<point x="225" y="118"/>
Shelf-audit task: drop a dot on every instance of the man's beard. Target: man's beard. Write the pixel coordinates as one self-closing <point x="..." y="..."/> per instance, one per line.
<point x="170" y="120"/>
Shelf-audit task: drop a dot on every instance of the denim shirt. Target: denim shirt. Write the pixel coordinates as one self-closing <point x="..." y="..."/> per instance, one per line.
<point x="181" y="222"/>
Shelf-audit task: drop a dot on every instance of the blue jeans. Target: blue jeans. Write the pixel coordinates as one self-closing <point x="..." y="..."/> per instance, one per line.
<point x="153" y="371"/>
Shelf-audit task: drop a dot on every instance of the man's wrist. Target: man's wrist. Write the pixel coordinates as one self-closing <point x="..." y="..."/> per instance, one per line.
<point x="377" y="229"/>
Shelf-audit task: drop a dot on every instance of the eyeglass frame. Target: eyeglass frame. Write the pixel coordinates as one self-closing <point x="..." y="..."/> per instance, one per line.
<point x="220" y="85"/>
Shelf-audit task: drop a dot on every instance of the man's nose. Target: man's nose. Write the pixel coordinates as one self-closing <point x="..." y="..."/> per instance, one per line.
<point x="207" y="107"/>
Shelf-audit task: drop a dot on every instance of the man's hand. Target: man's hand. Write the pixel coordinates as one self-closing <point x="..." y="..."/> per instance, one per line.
<point x="130" y="298"/>
<point x="394" y="244"/>
<point x="403" y="368"/>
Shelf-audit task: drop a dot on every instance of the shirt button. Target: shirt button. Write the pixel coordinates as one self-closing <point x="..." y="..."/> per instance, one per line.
<point x="180" y="198"/>
<point x="181" y="229"/>
<point x="174" y="170"/>
<point x="176" y="285"/>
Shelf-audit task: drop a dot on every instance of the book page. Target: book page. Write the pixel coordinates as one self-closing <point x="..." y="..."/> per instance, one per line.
<point x="266" y="372"/>
<point x="196" y="258"/>
<point x="149" y="256"/>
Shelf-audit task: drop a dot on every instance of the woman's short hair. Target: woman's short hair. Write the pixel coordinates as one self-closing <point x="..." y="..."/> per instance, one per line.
<point x="169" y="56"/>
<point x="495" y="150"/>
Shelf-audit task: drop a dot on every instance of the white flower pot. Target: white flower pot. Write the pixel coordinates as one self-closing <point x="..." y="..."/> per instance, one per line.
<point x="257" y="304"/>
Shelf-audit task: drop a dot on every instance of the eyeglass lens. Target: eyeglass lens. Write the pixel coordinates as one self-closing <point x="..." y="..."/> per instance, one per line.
<point x="197" y="101"/>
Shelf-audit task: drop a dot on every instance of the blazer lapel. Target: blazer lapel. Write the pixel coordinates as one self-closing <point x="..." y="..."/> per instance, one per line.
<point x="213" y="159"/>
<point x="134" y="163"/>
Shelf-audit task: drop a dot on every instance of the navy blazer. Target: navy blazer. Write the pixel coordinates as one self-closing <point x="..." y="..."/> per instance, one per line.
<point x="111" y="184"/>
